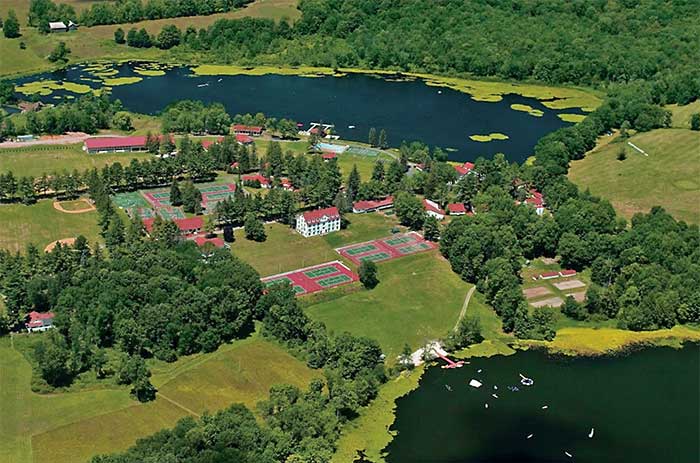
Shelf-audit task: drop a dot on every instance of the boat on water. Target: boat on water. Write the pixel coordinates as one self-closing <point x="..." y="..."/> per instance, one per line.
<point x="448" y="387"/>
<point x="525" y="381"/>
<point x="351" y="127"/>
<point x="568" y="454"/>
<point x="220" y="79"/>
<point x="529" y="436"/>
<point x="590" y="434"/>
<point x="203" y="85"/>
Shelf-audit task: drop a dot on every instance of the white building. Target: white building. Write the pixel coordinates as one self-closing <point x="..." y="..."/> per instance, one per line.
<point x="318" y="222"/>
<point x="432" y="208"/>
<point x="39" y="322"/>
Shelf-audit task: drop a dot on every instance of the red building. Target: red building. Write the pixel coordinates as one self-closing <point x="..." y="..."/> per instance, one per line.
<point x="115" y="144"/>
<point x="189" y="226"/>
<point x="360" y="207"/>
<point x="39" y="321"/>
<point x="464" y="169"/>
<point x="252" y="130"/>
<point x="264" y="181"/>
<point x="456" y="209"/>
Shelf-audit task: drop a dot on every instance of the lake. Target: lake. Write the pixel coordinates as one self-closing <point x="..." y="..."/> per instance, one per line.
<point x="407" y="110"/>
<point x="644" y="407"/>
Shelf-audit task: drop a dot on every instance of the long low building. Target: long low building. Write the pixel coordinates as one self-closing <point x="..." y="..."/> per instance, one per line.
<point x="187" y="227"/>
<point x="97" y="145"/>
<point x="360" y="207"/>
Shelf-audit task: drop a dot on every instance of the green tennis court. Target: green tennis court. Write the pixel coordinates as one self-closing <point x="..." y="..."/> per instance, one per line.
<point x="361" y="249"/>
<point x="161" y="195"/>
<point x="410" y="249"/>
<point x="277" y="281"/>
<point x="298" y="289"/>
<point x="400" y="240"/>
<point x="170" y="214"/>
<point x="360" y="151"/>
<point x="130" y="200"/>
<point x="214" y="188"/>
<point x="319" y="272"/>
<point x="144" y="212"/>
<point x="334" y="280"/>
<point x="215" y="196"/>
<point x="376" y="257"/>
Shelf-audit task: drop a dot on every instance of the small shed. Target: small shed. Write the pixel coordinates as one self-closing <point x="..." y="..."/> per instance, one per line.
<point x="57" y="26"/>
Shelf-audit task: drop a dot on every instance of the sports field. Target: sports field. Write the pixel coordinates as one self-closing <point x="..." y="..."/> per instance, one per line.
<point x="669" y="176"/>
<point x="41" y="224"/>
<point x="313" y="279"/>
<point x="386" y="248"/>
<point x="70" y="427"/>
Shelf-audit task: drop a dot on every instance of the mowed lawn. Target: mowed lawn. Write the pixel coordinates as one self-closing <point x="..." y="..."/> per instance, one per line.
<point x="47" y="159"/>
<point x="668" y="177"/>
<point x="418" y="299"/>
<point x="286" y="250"/>
<point x="41" y="224"/>
<point x="71" y="427"/>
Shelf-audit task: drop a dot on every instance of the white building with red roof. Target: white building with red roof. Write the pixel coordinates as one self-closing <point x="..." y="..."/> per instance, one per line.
<point x="318" y="222"/>
<point x="188" y="226"/>
<point x="39" y="322"/>
<point x="261" y="179"/>
<point x="206" y="144"/>
<point x="360" y="207"/>
<point x="456" y="209"/>
<point x="97" y="145"/>
<point x="251" y="130"/>
<point x="464" y="169"/>
<point x="536" y="200"/>
<point x="432" y="209"/>
<point x="216" y="241"/>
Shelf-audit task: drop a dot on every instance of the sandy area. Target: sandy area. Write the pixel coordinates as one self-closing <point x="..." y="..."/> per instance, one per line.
<point x="571" y="284"/>
<point x="64" y="241"/>
<point x="68" y="139"/>
<point x="537" y="291"/>
<point x="551" y="302"/>
<point x="579" y="297"/>
<point x="88" y="207"/>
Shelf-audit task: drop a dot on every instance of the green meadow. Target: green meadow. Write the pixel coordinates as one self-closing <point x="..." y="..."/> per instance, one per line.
<point x="73" y="426"/>
<point x="669" y="176"/>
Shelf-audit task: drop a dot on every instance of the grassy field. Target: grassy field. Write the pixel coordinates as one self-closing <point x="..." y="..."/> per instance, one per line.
<point x="46" y="159"/>
<point x="286" y="250"/>
<point x="21" y="7"/>
<point x="418" y="299"/>
<point x="70" y="427"/>
<point x="41" y="224"/>
<point x="669" y="176"/>
<point x="92" y="43"/>
<point x="681" y="114"/>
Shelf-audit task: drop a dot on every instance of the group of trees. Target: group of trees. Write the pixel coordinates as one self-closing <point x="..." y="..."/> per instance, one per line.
<point x="41" y="12"/>
<point x="195" y="117"/>
<point x="378" y="141"/>
<point x="283" y="128"/>
<point x="131" y="11"/>
<point x="10" y="26"/>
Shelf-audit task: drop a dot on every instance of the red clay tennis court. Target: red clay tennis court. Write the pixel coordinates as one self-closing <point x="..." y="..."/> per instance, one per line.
<point x="386" y="248"/>
<point x="316" y="278"/>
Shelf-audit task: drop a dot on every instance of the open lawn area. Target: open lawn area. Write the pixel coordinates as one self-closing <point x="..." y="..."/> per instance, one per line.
<point x="69" y="427"/>
<point x="669" y="176"/>
<point x="681" y="114"/>
<point x="286" y="250"/>
<point x="47" y="159"/>
<point x="418" y="298"/>
<point x="41" y="224"/>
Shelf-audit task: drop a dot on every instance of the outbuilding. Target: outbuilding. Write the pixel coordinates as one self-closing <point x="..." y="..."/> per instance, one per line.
<point x="251" y="130"/>
<point x="39" y="322"/>
<point x="361" y="207"/>
<point x="433" y="209"/>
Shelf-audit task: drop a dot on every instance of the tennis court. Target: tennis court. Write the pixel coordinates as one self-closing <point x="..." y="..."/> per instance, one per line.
<point x="386" y="248"/>
<point x="129" y="200"/>
<point x="360" y="151"/>
<point x="313" y="279"/>
<point x="143" y="212"/>
<point x="170" y="213"/>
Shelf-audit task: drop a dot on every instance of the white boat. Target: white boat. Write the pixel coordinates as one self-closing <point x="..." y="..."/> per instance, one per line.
<point x="203" y="85"/>
<point x="494" y="396"/>
<point x="351" y="127"/>
<point x="525" y="381"/>
<point x="529" y="436"/>
<point x="486" y="405"/>
<point x="590" y="434"/>
<point x="475" y="383"/>
<point x="447" y="386"/>
<point x="545" y="407"/>
<point x="568" y="454"/>
<point x="220" y="80"/>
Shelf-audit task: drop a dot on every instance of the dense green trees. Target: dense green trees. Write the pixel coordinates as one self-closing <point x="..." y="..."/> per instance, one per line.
<point x="10" y="27"/>
<point x="194" y="117"/>
<point x="254" y="229"/>
<point x="695" y="122"/>
<point x="368" y="274"/>
<point x="409" y="210"/>
<point x="59" y="53"/>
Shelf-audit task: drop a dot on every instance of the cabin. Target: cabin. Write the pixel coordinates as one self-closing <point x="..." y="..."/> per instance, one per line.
<point x="456" y="209"/>
<point x="39" y="322"/>
<point x="567" y="273"/>
<point x="57" y="26"/>
<point x="328" y="156"/>
<point x="243" y="139"/>
<point x="250" y="130"/>
<point x="286" y="184"/>
<point x="206" y="144"/>
<point x="188" y="226"/>
<point x="548" y="275"/>
<point x="318" y="222"/>
<point x="362" y="207"/>
<point x="536" y="200"/>
<point x="464" y="169"/>
<point x="433" y="210"/>
<point x="259" y="178"/>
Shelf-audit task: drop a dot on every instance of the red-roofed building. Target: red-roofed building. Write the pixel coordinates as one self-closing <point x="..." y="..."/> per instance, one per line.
<point x="259" y="178"/>
<point x="536" y="200"/>
<point x="252" y="130"/>
<point x="464" y="169"/>
<point x="567" y="273"/>
<point x="318" y="222"/>
<point x="188" y="226"/>
<point x="327" y="156"/>
<point x="39" y="321"/>
<point x="548" y="275"/>
<point x="286" y="184"/>
<point x="432" y="209"/>
<point x="456" y="209"/>
<point x="96" y="145"/>
<point x="217" y="242"/>
<point x="243" y="139"/>
<point x="206" y="144"/>
<point x="360" y="207"/>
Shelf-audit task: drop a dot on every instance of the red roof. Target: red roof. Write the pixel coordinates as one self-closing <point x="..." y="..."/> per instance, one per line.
<point x="206" y="144"/>
<point x="369" y="205"/>
<point x="536" y="199"/>
<point x="201" y="241"/>
<point x="457" y="208"/>
<point x="234" y="164"/>
<point x="191" y="223"/>
<point x="465" y="168"/>
<point x="286" y="183"/>
<point x="549" y="274"/>
<point x="247" y="128"/>
<point x="329" y="155"/>
<point x="253" y="177"/>
<point x="244" y="139"/>
<point x="115" y="142"/>
<point x="567" y="273"/>
<point x="329" y="213"/>
<point x="36" y="319"/>
<point x="432" y="206"/>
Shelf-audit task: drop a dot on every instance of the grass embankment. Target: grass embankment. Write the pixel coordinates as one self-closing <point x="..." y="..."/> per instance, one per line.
<point x="286" y="250"/>
<point x="41" y="224"/>
<point x="669" y="176"/>
<point x="36" y="160"/>
<point x="418" y="299"/>
<point x="53" y="428"/>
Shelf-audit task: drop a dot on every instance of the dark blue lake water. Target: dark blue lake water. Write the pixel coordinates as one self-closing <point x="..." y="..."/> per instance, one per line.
<point x="644" y="406"/>
<point x="407" y="110"/>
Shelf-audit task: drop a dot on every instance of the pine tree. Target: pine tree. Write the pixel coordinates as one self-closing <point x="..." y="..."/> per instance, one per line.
<point x="353" y="183"/>
<point x="11" y="26"/>
<point x="431" y="228"/>
<point x="372" y="136"/>
<point x="175" y="194"/>
<point x="382" y="139"/>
